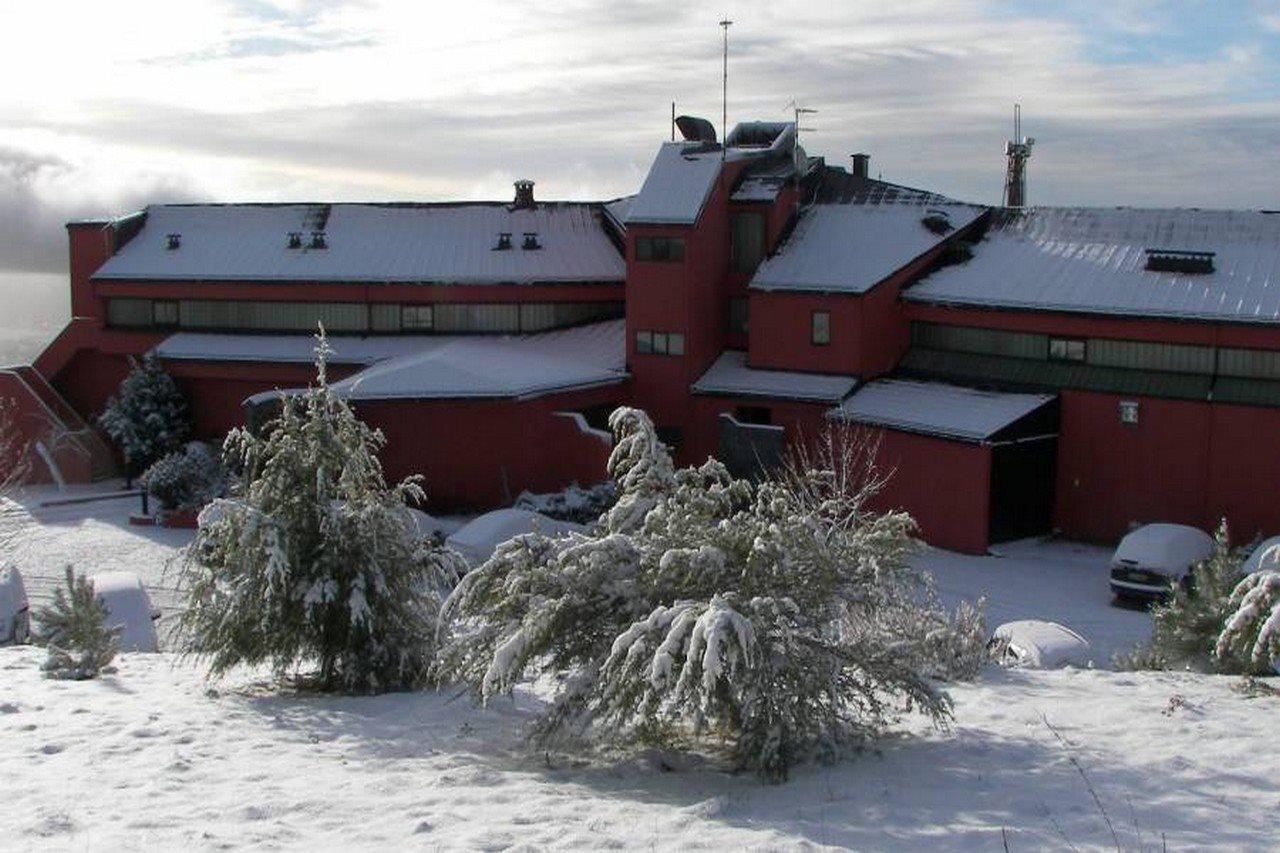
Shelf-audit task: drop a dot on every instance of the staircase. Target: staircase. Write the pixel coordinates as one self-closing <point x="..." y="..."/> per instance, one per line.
<point x="44" y="415"/>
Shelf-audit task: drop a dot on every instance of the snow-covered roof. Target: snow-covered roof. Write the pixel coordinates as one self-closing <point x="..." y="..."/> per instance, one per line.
<point x="1093" y="260"/>
<point x="849" y="248"/>
<point x="678" y="185"/>
<point x="286" y="349"/>
<point x="937" y="409"/>
<point x="433" y="243"/>
<point x="730" y="376"/>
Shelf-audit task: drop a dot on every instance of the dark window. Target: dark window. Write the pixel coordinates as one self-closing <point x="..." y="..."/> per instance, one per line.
<point x="164" y="313"/>
<point x="659" y="343"/>
<point x="1066" y="349"/>
<point x="753" y="415"/>
<point x="821" y="328"/>
<point x="671" y="436"/>
<point x="747" y="248"/>
<point x="738" y="315"/>
<point x="659" y="249"/>
<point x="417" y="318"/>
<point x="644" y="342"/>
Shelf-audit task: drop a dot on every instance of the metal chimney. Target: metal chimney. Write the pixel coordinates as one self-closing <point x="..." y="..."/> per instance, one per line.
<point x="524" y="196"/>
<point x="861" y="165"/>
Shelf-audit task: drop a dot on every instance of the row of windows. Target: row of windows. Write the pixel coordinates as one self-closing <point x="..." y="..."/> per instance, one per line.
<point x="670" y="249"/>
<point x="659" y="343"/>
<point x="354" y="317"/>
<point x="1102" y="352"/>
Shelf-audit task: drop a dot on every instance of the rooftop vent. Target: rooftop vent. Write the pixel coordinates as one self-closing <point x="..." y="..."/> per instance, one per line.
<point x="504" y="241"/>
<point x="861" y="165"/>
<point x="531" y="240"/>
<point x="695" y="129"/>
<point x="294" y="240"/>
<point x="937" y="221"/>
<point x="172" y="241"/>
<point x="1179" y="260"/>
<point x="524" y="196"/>
<point x="318" y="240"/>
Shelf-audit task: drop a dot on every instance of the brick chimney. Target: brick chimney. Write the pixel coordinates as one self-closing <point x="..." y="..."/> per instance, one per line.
<point x="524" y="196"/>
<point x="861" y="165"/>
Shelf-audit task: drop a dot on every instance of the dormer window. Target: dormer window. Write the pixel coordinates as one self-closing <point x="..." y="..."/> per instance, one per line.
<point x="504" y="241"/>
<point x="531" y="240"/>
<point x="172" y="241"/>
<point x="294" y="240"/>
<point x="318" y="240"/>
<point x="1179" y="260"/>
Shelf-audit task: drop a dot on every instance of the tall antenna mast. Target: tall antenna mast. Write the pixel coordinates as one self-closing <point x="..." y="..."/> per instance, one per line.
<point x="1018" y="152"/>
<point x="724" y="104"/>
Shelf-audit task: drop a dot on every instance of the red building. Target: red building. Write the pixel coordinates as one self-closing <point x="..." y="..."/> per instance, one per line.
<point x="1021" y="370"/>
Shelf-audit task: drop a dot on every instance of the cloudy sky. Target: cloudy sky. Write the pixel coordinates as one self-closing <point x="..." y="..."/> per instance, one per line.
<point x="108" y="106"/>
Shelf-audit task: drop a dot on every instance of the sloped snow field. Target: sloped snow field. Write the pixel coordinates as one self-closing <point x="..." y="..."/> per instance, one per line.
<point x="154" y="757"/>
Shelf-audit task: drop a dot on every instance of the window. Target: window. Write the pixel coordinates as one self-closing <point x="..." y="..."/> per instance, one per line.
<point x="1129" y="412"/>
<point x="127" y="313"/>
<point x="417" y="318"/>
<point x="821" y="328"/>
<point x="659" y="343"/>
<point x="747" y="246"/>
<point x="384" y="317"/>
<point x="164" y="312"/>
<point x="660" y="249"/>
<point x="753" y="415"/>
<point x="738" y="315"/>
<point x="1066" y="349"/>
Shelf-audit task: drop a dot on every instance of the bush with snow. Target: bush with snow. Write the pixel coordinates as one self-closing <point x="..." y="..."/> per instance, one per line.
<point x="780" y="621"/>
<point x="148" y="416"/>
<point x="187" y="479"/>
<point x="314" y="561"/>
<point x="574" y="504"/>
<point x="74" y="630"/>
<point x="1250" y="637"/>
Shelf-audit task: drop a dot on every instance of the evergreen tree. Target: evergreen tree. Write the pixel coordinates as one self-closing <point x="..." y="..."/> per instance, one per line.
<point x="74" y="629"/>
<point x="1250" y="638"/>
<point x="147" y="418"/>
<point x="778" y="622"/>
<point x="312" y="560"/>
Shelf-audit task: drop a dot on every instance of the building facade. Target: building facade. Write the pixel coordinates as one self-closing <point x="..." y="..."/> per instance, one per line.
<point x="1016" y="371"/>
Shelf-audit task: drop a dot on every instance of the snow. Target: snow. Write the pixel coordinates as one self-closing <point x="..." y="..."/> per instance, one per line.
<point x="379" y="243"/>
<point x="933" y="408"/>
<point x="478" y="539"/>
<point x="1265" y="556"/>
<point x="288" y="349"/>
<point x="1041" y="645"/>
<point x="1167" y="548"/>
<point x="730" y="376"/>
<point x="128" y="607"/>
<point x="850" y="248"/>
<point x="677" y="187"/>
<point x="154" y="756"/>
<point x="1093" y="260"/>
<point x="13" y="604"/>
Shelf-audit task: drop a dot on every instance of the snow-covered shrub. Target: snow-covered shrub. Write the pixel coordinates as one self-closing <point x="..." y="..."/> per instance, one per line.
<point x="314" y="560"/>
<point x="74" y="630"/>
<point x="779" y="620"/>
<point x="187" y="479"/>
<point x="573" y="504"/>
<point x="1187" y="624"/>
<point x="1250" y="637"/>
<point x="148" y="416"/>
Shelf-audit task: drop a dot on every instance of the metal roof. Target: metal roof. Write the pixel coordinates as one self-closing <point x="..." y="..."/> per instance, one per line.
<point x="444" y="243"/>
<point x="730" y="376"/>
<point x="1093" y="260"/>
<point x="849" y="248"/>
<point x="931" y="408"/>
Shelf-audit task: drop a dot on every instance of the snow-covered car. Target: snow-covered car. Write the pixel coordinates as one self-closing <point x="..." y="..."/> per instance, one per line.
<point x="1036" y="644"/>
<point x="1150" y="560"/>
<point x="15" y="610"/>
<point x="1265" y="556"/>
<point x="129" y="607"/>
<point x="479" y="538"/>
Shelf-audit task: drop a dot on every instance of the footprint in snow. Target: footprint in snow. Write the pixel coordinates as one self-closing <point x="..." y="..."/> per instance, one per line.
<point x="52" y="748"/>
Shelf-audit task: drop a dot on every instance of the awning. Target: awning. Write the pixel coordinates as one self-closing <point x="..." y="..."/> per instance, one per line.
<point x="947" y="411"/>
<point x="729" y="376"/>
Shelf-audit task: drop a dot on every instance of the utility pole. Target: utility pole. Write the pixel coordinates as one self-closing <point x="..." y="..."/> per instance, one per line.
<point x="724" y="103"/>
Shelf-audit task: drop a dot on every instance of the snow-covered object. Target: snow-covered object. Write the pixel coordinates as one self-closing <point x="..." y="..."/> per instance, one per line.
<point x="640" y="465"/>
<point x="15" y="614"/>
<point x="147" y="417"/>
<point x="573" y="503"/>
<point x="1254" y="624"/>
<point x="1094" y="260"/>
<point x="422" y="525"/>
<point x="678" y="185"/>
<point x="1265" y="556"/>
<point x="1168" y="549"/>
<point x="934" y="408"/>
<point x="129" y="607"/>
<point x="730" y="375"/>
<point x="478" y="539"/>
<point x="1037" y="644"/>
<point x="418" y="244"/>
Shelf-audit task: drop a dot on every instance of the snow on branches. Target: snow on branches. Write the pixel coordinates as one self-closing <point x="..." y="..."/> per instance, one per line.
<point x="779" y="621"/>
<point x="1252" y="630"/>
<point x="148" y="417"/>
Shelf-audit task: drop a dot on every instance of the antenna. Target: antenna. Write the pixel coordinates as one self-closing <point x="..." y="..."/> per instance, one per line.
<point x="724" y="108"/>
<point x="1018" y="152"/>
<point x="673" y="121"/>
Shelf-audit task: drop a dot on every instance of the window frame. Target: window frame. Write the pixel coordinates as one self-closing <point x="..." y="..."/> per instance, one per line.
<point x="157" y="305"/>
<point x="826" y="328"/>
<point x="416" y="312"/>
<point x="1081" y="345"/>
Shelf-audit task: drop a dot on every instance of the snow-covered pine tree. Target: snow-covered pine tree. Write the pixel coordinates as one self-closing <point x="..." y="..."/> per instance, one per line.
<point x="148" y="416"/>
<point x="312" y="560"/>
<point x="775" y="622"/>
<point x="1186" y="626"/>
<point x="1250" y="637"/>
<point x="75" y="632"/>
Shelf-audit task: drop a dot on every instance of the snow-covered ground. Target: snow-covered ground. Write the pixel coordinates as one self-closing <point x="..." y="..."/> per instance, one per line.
<point x="153" y="756"/>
